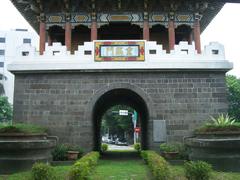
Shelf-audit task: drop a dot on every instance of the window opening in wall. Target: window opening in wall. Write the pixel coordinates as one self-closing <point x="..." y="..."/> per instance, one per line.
<point x="1" y="64"/>
<point x="215" y="52"/>
<point x="184" y="51"/>
<point x="56" y="53"/>
<point x="152" y="51"/>
<point x="25" y="53"/>
<point x="27" y="41"/>
<point x="2" y="52"/>
<point x="88" y="52"/>
<point x="2" y="39"/>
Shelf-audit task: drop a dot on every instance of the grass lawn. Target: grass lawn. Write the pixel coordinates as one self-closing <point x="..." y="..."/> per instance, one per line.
<point x="121" y="170"/>
<point x="125" y="169"/>
<point x="61" y="171"/>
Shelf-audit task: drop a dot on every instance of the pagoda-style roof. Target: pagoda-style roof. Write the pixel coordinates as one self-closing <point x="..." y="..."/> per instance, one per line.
<point x="31" y="9"/>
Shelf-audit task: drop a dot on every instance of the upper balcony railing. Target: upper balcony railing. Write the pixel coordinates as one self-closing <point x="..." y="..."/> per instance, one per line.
<point x="153" y="52"/>
<point x="184" y="56"/>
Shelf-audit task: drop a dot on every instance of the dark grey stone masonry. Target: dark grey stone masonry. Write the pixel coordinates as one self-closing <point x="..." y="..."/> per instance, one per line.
<point x="64" y="101"/>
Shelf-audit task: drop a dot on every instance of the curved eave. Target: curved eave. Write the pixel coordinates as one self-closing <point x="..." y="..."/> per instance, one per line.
<point x="209" y="14"/>
<point x="30" y="16"/>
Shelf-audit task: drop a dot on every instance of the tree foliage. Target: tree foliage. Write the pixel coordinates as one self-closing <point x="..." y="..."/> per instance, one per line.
<point x="233" y="85"/>
<point x="116" y="124"/>
<point x="5" y="109"/>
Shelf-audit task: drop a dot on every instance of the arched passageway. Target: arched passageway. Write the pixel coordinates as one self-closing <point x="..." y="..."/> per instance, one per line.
<point x="116" y="97"/>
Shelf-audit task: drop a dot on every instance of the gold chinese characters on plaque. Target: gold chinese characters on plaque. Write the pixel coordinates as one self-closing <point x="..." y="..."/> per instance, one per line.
<point x="120" y="51"/>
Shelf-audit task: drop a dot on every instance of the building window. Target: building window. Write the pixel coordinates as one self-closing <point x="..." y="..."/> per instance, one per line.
<point x="2" y="39"/>
<point x="26" y="41"/>
<point x="1" y="64"/>
<point x="2" y="52"/>
<point x="25" y="53"/>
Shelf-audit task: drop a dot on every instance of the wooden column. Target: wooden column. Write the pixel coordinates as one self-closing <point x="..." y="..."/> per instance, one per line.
<point x="190" y="39"/>
<point x="197" y="33"/>
<point x="171" y="34"/>
<point x="42" y="34"/>
<point x="146" y="34"/>
<point x="68" y="35"/>
<point x="94" y="30"/>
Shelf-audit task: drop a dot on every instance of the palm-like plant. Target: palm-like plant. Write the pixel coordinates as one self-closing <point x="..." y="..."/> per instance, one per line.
<point x="223" y="120"/>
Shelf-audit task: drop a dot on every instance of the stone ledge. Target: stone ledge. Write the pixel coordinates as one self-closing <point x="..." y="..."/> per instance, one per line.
<point x="167" y="65"/>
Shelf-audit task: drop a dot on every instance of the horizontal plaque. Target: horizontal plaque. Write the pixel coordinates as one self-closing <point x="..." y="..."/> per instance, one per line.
<point x="119" y="51"/>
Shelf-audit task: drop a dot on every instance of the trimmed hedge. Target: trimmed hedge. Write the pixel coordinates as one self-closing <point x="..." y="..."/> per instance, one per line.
<point x="104" y="147"/>
<point x="137" y="147"/>
<point x="83" y="167"/>
<point x="42" y="171"/>
<point x="157" y="164"/>
<point x="198" y="170"/>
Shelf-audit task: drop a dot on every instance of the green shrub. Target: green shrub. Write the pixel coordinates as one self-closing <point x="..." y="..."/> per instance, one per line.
<point x="221" y="123"/>
<point x="144" y="155"/>
<point x="73" y="147"/>
<point x="169" y="147"/>
<point x="198" y="170"/>
<point x="157" y="164"/>
<point x="223" y="120"/>
<point x="6" y="111"/>
<point x="22" y="128"/>
<point x="60" y="151"/>
<point x="82" y="168"/>
<point x="104" y="147"/>
<point x="180" y="148"/>
<point x="42" y="171"/>
<point x="137" y="147"/>
<point x="80" y="171"/>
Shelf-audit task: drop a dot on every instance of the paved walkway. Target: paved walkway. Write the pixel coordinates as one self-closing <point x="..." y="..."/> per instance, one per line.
<point x="116" y="147"/>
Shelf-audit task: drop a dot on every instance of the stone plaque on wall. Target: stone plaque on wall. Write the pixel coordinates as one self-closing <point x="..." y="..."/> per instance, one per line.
<point x="159" y="131"/>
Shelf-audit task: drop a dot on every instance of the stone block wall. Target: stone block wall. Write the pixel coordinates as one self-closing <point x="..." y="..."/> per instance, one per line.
<point x="64" y="101"/>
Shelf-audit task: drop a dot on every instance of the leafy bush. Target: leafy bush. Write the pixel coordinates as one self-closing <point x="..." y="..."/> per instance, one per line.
<point x="157" y="164"/>
<point x="221" y="123"/>
<point x="168" y="147"/>
<point x="22" y="128"/>
<point x="104" y="147"/>
<point x="137" y="147"/>
<point x="223" y="120"/>
<point x="82" y="168"/>
<point x="175" y="147"/>
<point x="233" y="84"/>
<point x="60" y="151"/>
<point x="73" y="147"/>
<point x="42" y="171"/>
<point x="198" y="170"/>
<point x="5" y="110"/>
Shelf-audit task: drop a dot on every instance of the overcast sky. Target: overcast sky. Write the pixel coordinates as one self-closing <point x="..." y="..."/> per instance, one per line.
<point x="225" y="28"/>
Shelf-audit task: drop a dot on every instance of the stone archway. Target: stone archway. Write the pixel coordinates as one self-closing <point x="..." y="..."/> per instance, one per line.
<point x="125" y="97"/>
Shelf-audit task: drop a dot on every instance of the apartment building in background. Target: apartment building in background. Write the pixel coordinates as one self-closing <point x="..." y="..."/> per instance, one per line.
<point x="10" y="41"/>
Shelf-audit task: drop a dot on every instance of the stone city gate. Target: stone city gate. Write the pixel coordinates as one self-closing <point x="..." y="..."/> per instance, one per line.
<point x="70" y="99"/>
<point x="85" y="67"/>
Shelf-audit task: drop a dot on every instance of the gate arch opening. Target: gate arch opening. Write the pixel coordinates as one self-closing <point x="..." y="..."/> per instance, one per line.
<point x="120" y="97"/>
